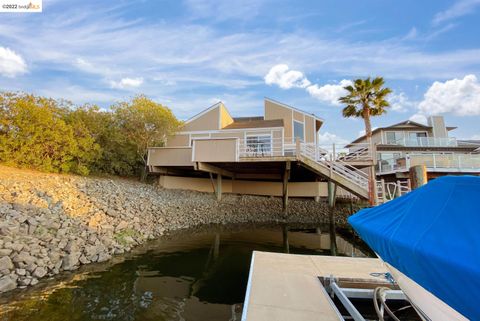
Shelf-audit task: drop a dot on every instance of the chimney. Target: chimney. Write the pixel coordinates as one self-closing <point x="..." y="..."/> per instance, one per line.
<point x="438" y="126"/>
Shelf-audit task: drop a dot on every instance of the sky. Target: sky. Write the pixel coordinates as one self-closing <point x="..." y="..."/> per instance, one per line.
<point x="190" y="54"/>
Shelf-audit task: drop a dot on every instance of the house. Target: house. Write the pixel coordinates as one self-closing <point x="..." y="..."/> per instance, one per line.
<point x="406" y="144"/>
<point x="275" y="154"/>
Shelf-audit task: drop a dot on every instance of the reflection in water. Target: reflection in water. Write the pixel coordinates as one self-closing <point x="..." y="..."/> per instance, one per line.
<point x="189" y="276"/>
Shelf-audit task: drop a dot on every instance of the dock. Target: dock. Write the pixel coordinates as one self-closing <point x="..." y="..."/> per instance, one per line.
<point x="287" y="286"/>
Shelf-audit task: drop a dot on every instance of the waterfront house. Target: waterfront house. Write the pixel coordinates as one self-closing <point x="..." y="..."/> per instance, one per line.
<point x="406" y="144"/>
<point x="275" y="154"/>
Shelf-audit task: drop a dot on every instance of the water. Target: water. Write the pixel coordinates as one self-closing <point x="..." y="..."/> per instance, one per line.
<point x="191" y="275"/>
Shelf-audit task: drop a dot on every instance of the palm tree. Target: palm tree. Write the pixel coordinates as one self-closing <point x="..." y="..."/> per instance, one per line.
<point x="366" y="98"/>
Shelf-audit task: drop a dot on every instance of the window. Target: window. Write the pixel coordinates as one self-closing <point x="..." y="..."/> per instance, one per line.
<point x="418" y="135"/>
<point x="417" y="139"/>
<point x="260" y="145"/>
<point x="393" y="137"/>
<point x="298" y="131"/>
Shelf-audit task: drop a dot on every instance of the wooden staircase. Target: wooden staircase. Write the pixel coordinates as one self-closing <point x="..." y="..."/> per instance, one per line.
<point x="344" y="175"/>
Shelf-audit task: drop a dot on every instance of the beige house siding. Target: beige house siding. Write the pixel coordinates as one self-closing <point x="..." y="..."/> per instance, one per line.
<point x="309" y="129"/>
<point x="245" y="187"/>
<point x="275" y="111"/>
<point x="174" y="156"/>
<point x="298" y="116"/>
<point x="228" y="134"/>
<point x="177" y="141"/>
<point x="208" y="121"/>
<point x="215" y="150"/>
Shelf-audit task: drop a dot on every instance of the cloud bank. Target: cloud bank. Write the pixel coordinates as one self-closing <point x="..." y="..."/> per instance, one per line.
<point x="285" y="78"/>
<point x="127" y="83"/>
<point x="11" y="63"/>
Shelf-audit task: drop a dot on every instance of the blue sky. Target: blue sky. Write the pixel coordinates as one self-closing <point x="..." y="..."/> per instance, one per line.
<point x="189" y="54"/>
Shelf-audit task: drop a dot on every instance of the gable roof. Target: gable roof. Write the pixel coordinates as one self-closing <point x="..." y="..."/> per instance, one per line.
<point x="203" y="112"/>
<point x="294" y="108"/>
<point x="397" y="125"/>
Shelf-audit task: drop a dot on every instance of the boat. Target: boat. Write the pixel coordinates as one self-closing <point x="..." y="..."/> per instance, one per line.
<point x="429" y="239"/>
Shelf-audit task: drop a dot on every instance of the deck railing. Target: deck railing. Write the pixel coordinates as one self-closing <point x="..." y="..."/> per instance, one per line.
<point x="424" y="142"/>
<point x="433" y="161"/>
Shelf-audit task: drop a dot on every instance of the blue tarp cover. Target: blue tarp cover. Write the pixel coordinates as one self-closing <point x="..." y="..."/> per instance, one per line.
<point x="432" y="235"/>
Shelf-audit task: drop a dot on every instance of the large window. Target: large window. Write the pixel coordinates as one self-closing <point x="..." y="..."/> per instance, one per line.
<point x="394" y="137"/>
<point x="298" y="131"/>
<point x="260" y="145"/>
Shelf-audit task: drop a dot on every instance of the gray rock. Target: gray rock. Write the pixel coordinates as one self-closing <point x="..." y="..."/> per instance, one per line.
<point x="21" y="272"/>
<point x="39" y="272"/>
<point x="34" y="281"/>
<point x="121" y="226"/>
<point x="70" y="261"/>
<point x="6" y="263"/>
<point x="24" y="257"/>
<point x="24" y="281"/>
<point x="84" y="260"/>
<point x="5" y="252"/>
<point x="17" y="247"/>
<point x="7" y="284"/>
<point x="71" y="247"/>
<point x="103" y="256"/>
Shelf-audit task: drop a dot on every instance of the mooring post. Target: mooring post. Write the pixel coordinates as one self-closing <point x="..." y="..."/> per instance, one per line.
<point x="418" y="176"/>
<point x="332" y="191"/>
<point x="286" y="176"/>
<point x="219" y="187"/>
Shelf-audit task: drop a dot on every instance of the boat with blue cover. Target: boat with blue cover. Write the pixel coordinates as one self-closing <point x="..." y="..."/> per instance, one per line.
<point x="430" y="241"/>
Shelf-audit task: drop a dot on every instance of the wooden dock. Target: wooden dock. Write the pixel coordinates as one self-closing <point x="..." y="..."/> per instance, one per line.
<point x="286" y="286"/>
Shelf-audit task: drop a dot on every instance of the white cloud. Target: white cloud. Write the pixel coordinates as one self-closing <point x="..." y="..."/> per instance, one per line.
<point x="400" y="102"/>
<point x="476" y="137"/>
<point x="127" y="83"/>
<point x="283" y="77"/>
<point x="327" y="139"/>
<point x="458" y="96"/>
<point x="460" y="8"/>
<point x="11" y="63"/>
<point x="329" y="93"/>
<point x="419" y="118"/>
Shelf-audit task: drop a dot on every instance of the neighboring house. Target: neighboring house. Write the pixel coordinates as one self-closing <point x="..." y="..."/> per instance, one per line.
<point x="400" y="146"/>
<point x="274" y="154"/>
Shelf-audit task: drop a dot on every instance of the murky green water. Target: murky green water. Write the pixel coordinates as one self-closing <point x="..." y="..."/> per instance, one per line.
<point x="192" y="275"/>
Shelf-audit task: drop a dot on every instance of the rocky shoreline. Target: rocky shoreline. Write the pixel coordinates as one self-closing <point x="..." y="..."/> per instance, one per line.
<point x="52" y="223"/>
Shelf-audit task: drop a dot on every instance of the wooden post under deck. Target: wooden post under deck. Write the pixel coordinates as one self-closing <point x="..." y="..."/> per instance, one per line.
<point x="332" y="193"/>
<point x="286" y="176"/>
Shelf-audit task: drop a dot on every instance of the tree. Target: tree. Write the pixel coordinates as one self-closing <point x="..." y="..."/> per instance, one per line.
<point x="145" y="123"/>
<point x="117" y="155"/>
<point x="34" y="133"/>
<point x="366" y="98"/>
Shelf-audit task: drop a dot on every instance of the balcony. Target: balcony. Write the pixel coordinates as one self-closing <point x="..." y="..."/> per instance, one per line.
<point x="423" y="142"/>
<point x="455" y="163"/>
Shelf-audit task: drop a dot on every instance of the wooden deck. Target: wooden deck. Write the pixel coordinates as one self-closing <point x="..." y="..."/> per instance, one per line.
<point x="286" y="286"/>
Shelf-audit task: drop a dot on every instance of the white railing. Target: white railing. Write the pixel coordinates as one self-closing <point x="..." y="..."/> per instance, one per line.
<point x="341" y="168"/>
<point x="262" y="147"/>
<point x="424" y="142"/>
<point x="386" y="191"/>
<point x="333" y="160"/>
<point x="433" y="161"/>
<point x="356" y="152"/>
